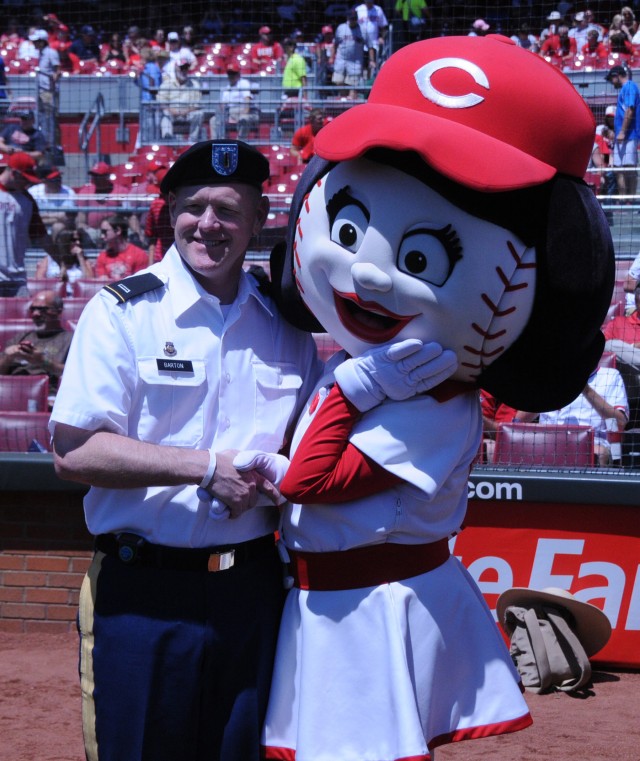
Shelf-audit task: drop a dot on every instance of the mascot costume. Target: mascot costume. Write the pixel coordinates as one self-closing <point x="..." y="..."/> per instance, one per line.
<point x="445" y="219"/>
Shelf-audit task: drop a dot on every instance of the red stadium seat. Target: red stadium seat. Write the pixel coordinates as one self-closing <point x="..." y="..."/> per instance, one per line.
<point x="11" y="328"/>
<point x="85" y="288"/>
<point x="26" y="393"/>
<point x="24" y="432"/>
<point x="14" y="308"/>
<point x="531" y="444"/>
<point x="327" y="347"/>
<point x="608" y="359"/>
<point x="73" y="309"/>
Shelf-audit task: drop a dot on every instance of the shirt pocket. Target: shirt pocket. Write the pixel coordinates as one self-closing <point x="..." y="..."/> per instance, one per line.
<point x="173" y="403"/>
<point x="276" y="400"/>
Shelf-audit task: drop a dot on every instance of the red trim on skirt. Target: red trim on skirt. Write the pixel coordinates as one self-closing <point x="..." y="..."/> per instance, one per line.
<point x="288" y="754"/>
<point x="486" y="730"/>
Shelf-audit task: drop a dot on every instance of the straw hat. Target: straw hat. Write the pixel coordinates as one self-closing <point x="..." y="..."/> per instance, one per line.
<point x="592" y="627"/>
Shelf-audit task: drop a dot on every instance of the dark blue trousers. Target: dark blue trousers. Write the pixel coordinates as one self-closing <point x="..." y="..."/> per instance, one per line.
<point x="176" y="665"/>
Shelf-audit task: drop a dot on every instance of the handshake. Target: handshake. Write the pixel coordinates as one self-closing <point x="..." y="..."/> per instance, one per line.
<point x="396" y="372"/>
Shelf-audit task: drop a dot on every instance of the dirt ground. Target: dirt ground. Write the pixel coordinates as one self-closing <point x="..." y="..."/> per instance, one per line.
<point x="40" y="712"/>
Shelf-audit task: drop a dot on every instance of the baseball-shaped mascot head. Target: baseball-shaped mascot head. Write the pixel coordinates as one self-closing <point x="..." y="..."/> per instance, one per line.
<point x="450" y="207"/>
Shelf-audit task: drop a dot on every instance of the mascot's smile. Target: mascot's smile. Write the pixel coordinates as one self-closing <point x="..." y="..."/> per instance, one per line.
<point x="367" y="320"/>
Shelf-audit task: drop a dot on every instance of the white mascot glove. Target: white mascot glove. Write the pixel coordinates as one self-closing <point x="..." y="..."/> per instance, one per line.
<point x="397" y="372"/>
<point x="272" y="466"/>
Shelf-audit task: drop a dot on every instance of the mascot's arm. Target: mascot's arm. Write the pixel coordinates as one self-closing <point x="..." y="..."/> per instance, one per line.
<point x="326" y="468"/>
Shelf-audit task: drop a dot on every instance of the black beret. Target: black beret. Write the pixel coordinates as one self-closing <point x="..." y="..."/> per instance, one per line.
<point x="213" y="162"/>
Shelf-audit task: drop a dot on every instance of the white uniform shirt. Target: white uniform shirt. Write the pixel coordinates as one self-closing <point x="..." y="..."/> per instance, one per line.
<point x="372" y="21"/>
<point x="64" y="200"/>
<point x="250" y="373"/>
<point x="609" y="384"/>
<point x="16" y="211"/>
<point x="428" y="444"/>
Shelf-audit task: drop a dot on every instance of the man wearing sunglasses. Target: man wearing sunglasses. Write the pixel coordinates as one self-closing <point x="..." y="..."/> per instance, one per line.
<point x="20" y="222"/>
<point x="42" y="350"/>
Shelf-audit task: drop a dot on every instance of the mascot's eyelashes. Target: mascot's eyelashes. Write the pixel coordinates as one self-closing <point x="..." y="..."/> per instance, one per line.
<point x="348" y="219"/>
<point x="430" y="255"/>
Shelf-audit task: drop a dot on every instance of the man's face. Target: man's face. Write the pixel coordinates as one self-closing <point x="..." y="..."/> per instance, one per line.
<point x="213" y="227"/>
<point x="43" y="312"/>
<point x="26" y="123"/>
<point x="615" y="81"/>
<point x="110" y="237"/>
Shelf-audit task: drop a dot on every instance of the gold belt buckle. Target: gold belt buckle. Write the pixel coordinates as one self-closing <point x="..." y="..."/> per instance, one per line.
<point x="221" y="561"/>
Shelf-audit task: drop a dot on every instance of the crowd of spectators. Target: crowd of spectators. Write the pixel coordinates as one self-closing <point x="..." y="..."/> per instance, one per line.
<point x="86" y="49"/>
<point x="75" y="220"/>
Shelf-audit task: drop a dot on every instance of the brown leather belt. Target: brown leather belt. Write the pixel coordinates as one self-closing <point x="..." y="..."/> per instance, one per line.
<point x="133" y="550"/>
<point x="364" y="566"/>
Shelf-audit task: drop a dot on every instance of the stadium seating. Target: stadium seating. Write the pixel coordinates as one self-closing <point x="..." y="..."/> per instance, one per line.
<point x="11" y="328"/>
<point x="531" y="444"/>
<point x="26" y="393"/>
<point x="24" y="432"/>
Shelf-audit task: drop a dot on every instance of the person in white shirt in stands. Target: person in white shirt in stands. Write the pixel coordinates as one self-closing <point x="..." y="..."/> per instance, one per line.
<point x="56" y="201"/>
<point x="178" y="51"/>
<point x="374" y="26"/>
<point x="236" y="108"/>
<point x="603" y="405"/>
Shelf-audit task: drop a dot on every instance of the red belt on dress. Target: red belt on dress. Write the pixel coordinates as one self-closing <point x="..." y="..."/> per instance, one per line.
<point x="364" y="566"/>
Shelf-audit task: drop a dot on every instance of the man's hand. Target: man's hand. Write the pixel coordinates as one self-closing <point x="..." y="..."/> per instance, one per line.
<point x="235" y="492"/>
<point x="397" y="372"/>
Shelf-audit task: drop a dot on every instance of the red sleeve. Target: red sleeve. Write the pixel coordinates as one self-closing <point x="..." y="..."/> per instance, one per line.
<point x="326" y="468"/>
<point x="504" y="413"/>
<point x="488" y="404"/>
<point x="100" y="269"/>
<point x="139" y="260"/>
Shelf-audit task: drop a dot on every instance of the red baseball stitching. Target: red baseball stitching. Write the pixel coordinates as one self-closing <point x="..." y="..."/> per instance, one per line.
<point x="497" y="311"/>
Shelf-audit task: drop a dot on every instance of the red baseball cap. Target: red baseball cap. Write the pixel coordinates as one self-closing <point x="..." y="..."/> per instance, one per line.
<point x="471" y="107"/>
<point x="100" y="168"/>
<point x="24" y="164"/>
<point x="264" y="30"/>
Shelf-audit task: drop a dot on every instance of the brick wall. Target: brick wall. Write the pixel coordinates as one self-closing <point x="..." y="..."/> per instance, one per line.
<point x="45" y="550"/>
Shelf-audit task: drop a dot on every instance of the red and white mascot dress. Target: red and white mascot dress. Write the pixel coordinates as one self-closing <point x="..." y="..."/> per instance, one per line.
<point x="448" y="209"/>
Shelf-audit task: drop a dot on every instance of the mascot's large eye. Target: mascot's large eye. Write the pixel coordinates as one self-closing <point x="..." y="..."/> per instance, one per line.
<point x="429" y="254"/>
<point x="349" y="226"/>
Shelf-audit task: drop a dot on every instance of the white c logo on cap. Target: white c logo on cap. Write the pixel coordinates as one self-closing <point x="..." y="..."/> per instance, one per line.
<point x="423" y="80"/>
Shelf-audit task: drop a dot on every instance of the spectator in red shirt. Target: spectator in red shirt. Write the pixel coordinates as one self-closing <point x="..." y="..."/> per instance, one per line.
<point x="104" y="204"/>
<point x="494" y="412"/>
<point x="266" y="50"/>
<point x="559" y="45"/>
<point x="119" y="259"/>
<point x="622" y="335"/>
<point x="593" y="46"/>
<point x="303" y="141"/>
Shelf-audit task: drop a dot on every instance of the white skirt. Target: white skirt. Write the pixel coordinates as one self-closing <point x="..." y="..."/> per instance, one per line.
<point x="386" y="673"/>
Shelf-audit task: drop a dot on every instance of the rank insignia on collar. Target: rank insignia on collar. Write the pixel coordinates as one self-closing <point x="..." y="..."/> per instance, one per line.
<point x="170" y="349"/>
<point x="224" y="158"/>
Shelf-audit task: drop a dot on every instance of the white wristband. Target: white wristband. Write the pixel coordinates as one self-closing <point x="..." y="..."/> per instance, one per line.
<point x="210" y="470"/>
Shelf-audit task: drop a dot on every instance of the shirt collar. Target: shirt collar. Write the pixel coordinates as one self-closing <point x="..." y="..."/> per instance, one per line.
<point x="186" y="291"/>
